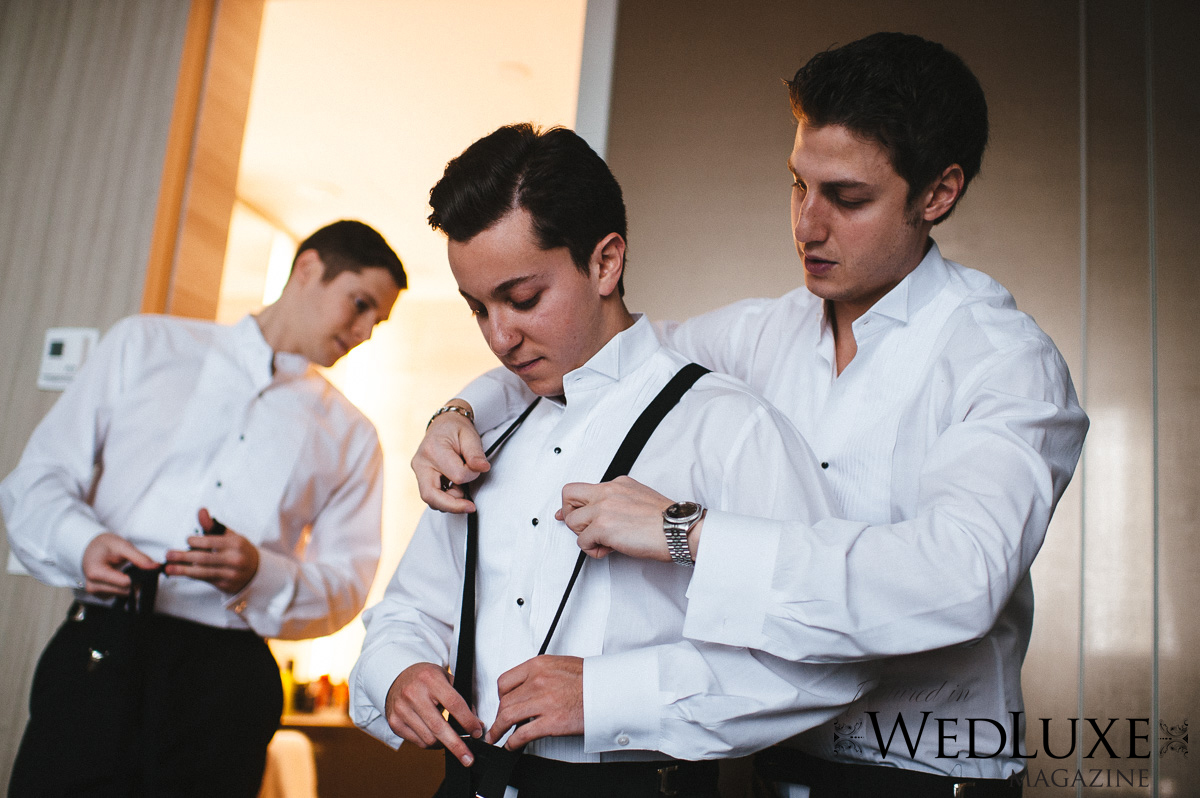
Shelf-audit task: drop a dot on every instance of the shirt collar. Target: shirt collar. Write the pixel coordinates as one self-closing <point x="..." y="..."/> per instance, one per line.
<point x="916" y="289"/>
<point x="910" y="295"/>
<point x="623" y="354"/>
<point x="255" y="355"/>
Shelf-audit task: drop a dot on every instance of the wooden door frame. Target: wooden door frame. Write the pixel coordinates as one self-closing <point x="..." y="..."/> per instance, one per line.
<point x="200" y="168"/>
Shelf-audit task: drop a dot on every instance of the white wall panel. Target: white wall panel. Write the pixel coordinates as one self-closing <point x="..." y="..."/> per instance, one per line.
<point x="86" y="92"/>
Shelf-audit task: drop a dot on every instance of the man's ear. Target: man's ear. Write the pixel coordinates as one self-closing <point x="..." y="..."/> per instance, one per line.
<point x="941" y="195"/>
<point x="608" y="262"/>
<point x="308" y="268"/>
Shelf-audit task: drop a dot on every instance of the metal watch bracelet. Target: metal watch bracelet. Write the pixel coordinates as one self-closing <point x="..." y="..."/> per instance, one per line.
<point x="678" y="520"/>
<point x="462" y="411"/>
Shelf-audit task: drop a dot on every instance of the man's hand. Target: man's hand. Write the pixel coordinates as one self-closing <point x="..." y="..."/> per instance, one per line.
<point x="623" y="515"/>
<point x="451" y="453"/>
<point x="102" y="562"/>
<point x="414" y="710"/>
<point x="545" y="694"/>
<point x="228" y="561"/>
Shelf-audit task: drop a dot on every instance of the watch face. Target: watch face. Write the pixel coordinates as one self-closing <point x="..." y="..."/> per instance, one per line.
<point x="681" y="511"/>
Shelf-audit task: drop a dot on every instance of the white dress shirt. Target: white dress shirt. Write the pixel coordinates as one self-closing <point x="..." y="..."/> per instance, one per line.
<point x="645" y="690"/>
<point x="169" y="415"/>
<point x="947" y="441"/>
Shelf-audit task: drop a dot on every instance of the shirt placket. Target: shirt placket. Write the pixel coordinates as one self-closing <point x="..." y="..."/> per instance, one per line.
<point x="530" y="516"/>
<point x="855" y="436"/>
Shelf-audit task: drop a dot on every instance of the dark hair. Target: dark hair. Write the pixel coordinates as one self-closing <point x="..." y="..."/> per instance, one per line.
<point x="914" y="97"/>
<point x="553" y="174"/>
<point x="350" y="246"/>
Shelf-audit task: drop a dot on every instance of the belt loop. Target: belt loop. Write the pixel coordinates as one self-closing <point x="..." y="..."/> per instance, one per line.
<point x="667" y="785"/>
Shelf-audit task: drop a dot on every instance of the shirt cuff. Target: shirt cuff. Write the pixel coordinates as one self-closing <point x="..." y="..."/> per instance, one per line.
<point x="71" y="540"/>
<point x="621" y="702"/>
<point x="265" y="598"/>
<point x="730" y="591"/>
<point x="370" y="681"/>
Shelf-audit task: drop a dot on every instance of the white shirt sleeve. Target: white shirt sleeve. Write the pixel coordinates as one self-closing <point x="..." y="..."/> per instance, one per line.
<point x="413" y="623"/>
<point x="835" y="591"/>
<point x="694" y="700"/>
<point x="495" y="396"/>
<point x="705" y="701"/>
<point x="44" y="499"/>
<point x="722" y="339"/>
<point x="295" y="598"/>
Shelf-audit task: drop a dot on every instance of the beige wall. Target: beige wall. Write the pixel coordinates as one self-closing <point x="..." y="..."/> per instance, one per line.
<point x="1092" y="238"/>
<point x="86" y="88"/>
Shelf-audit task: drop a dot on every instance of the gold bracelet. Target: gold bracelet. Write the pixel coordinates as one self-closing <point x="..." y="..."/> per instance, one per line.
<point x="462" y="411"/>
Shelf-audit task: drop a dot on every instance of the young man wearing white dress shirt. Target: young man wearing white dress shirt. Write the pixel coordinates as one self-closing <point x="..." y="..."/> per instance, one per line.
<point x="536" y="228"/>
<point x="944" y="419"/>
<point x="170" y="424"/>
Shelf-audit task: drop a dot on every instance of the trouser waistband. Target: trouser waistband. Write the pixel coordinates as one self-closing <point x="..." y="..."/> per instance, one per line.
<point x="827" y="779"/>
<point x="537" y="777"/>
<point x="84" y="612"/>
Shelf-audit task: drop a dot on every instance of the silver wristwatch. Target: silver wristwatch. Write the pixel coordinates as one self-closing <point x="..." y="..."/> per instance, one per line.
<point x="678" y="520"/>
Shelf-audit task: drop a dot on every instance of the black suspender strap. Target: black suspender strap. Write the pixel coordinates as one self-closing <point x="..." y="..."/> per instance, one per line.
<point x="627" y="453"/>
<point x="464" y="663"/>
<point x="650" y="418"/>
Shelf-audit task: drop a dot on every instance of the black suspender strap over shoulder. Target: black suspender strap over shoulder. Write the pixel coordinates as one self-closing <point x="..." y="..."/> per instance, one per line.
<point x="627" y="453"/>
<point x="650" y="418"/>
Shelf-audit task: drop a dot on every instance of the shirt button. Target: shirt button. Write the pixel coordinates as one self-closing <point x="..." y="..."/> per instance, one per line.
<point x="557" y="450"/>
<point x="218" y="483"/>
<point x="520" y="602"/>
<point x="622" y="739"/>
<point x="824" y="465"/>
<point x="241" y="437"/>
<point x="535" y="522"/>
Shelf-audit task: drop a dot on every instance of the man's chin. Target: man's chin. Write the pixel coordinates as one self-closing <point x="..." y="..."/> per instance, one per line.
<point x="820" y="287"/>
<point x="336" y="353"/>
<point x="328" y="361"/>
<point x="543" y="386"/>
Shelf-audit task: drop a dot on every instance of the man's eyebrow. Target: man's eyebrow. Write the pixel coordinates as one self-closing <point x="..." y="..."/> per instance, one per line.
<point x="847" y="183"/>
<point x="833" y="185"/>
<point x="502" y="290"/>
<point x="506" y="287"/>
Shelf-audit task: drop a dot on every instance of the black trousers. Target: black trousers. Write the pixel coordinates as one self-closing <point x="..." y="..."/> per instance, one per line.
<point x="127" y="706"/>
<point x="826" y="779"/>
<point x="536" y="777"/>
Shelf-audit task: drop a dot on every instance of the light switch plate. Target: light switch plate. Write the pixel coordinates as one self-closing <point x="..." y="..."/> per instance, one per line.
<point x="63" y="353"/>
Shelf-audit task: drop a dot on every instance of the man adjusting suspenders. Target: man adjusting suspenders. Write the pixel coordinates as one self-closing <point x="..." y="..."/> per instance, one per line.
<point x="601" y="692"/>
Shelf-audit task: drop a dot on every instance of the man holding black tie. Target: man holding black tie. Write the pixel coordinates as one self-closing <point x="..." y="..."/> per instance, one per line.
<point x="165" y="685"/>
